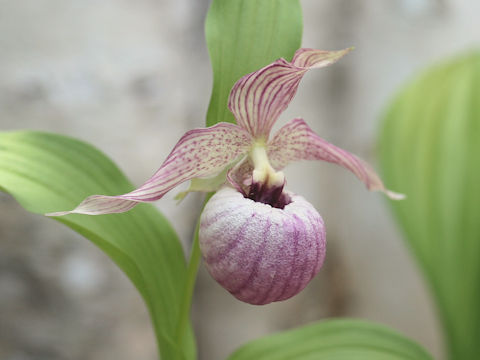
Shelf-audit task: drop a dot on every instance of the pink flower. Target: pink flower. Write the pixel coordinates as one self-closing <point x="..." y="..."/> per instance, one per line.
<point x="259" y="241"/>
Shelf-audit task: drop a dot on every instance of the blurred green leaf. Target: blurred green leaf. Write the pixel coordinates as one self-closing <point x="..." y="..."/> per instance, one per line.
<point x="430" y="146"/>
<point x="47" y="172"/>
<point x="333" y="340"/>
<point x="243" y="36"/>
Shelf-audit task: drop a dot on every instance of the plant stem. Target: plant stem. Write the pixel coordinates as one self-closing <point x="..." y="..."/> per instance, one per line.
<point x="186" y="301"/>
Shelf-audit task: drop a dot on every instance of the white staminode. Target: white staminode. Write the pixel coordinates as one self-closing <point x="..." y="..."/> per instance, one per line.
<point x="263" y="172"/>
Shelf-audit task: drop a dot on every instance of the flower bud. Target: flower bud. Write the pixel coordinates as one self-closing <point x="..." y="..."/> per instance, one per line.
<point x="260" y="253"/>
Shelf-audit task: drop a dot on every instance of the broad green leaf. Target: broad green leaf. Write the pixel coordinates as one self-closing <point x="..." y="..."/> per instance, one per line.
<point x="243" y="36"/>
<point x="333" y="340"/>
<point x="47" y="172"/>
<point x="430" y="146"/>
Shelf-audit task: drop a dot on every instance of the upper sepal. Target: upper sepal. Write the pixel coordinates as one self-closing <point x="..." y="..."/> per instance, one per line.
<point x="258" y="99"/>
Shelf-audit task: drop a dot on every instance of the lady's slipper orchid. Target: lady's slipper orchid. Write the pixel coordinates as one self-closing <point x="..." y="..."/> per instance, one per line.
<point x="259" y="241"/>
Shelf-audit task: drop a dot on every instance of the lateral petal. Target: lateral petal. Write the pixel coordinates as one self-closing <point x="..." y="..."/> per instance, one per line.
<point x="296" y="141"/>
<point x="258" y="99"/>
<point x="199" y="153"/>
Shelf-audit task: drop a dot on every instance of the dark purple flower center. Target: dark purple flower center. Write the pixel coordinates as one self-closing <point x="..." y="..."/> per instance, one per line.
<point x="271" y="195"/>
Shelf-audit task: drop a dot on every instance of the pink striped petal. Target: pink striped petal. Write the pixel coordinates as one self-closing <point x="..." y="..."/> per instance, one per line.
<point x="296" y="141"/>
<point x="258" y="99"/>
<point x="199" y="153"/>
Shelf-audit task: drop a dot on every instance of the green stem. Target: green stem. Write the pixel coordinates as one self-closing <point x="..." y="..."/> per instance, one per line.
<point x="186" y="301"/>
<point x="188" y="291"/>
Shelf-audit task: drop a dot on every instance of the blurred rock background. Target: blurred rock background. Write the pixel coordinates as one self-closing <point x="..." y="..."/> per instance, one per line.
<point x="131" y="78"/>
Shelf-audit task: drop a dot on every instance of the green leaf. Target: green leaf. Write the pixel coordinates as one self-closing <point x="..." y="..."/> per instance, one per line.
<point x="333" y="340"/>
<point x="47" y="172"/>
<point x="243" y="36"/>
<point x="430" y="146"/>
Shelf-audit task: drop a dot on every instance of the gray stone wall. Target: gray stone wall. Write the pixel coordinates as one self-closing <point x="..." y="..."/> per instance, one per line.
<point x="131" y="77"/>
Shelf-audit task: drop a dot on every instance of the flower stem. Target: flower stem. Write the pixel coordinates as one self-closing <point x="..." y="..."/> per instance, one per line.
<point x="186" y="301"/>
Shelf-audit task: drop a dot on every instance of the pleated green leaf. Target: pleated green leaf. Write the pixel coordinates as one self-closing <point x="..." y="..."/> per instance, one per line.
<point x="334" y="340"/>
<point x="243" y="36"/>
<point x="430" y="146"/>
<point x="46" y="172"/>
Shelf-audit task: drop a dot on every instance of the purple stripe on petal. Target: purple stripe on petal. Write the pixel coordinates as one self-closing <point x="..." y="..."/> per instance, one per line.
<point x="222" y="253"/>
<point x="258" y="98"/>
<point x="317" y="223"/>
<point x="284" y="294"/>
<point x="209" y="220"/>
<point x="296" y="141"/>
<point x="309" y="244"/>
<point x="199" y="153"/>
<point x="254" y="271"/>
<point x="304" y="262"/>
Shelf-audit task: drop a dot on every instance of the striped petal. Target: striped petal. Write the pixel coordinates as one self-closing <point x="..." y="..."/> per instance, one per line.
<point x="296" y="141"/>
<point x="199" y="153"/>
<point x="258" y="99"/>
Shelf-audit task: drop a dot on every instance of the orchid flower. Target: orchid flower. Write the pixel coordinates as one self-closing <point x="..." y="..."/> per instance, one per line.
<point x="259" y="241"/>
